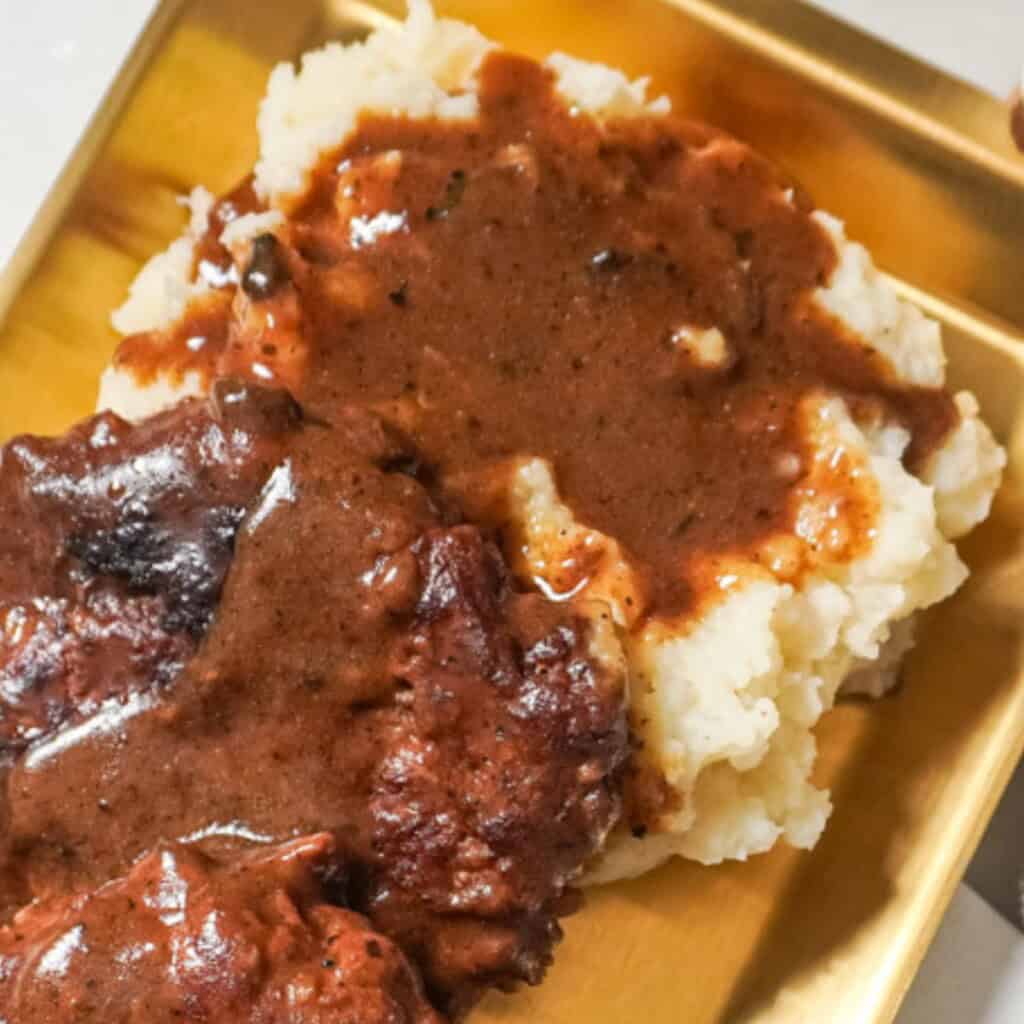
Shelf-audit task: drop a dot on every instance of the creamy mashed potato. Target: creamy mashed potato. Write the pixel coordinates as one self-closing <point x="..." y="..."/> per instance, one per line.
<point x="725" y="700"/>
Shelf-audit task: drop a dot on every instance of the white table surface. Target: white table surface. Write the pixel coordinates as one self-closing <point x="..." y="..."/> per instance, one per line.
<point x="57" y="58"/>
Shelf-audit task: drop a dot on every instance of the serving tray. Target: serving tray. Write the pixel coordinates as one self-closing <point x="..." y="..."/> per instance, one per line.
<point x="922" y="169"/>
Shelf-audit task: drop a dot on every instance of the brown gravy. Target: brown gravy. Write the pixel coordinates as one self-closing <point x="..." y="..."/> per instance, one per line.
<point x="513" y="285"/>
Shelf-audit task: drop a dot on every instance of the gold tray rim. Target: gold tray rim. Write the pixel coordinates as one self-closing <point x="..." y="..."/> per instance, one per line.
<point x="49" y="215"/>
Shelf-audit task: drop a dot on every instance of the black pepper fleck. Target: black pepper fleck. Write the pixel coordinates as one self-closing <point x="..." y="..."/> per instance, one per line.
<point x="266" y="271"/>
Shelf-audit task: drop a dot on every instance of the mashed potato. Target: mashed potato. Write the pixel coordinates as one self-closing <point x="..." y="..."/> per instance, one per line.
<point x="726" y="700"/>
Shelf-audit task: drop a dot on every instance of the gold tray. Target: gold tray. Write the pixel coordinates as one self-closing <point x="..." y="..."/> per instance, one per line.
<point x="922" y="169"/>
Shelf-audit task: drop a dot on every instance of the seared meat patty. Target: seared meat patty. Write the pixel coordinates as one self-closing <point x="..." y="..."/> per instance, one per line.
<point x="364" y="668"/>
<point x="181" y="937"/>
<point x="115" y="544"/>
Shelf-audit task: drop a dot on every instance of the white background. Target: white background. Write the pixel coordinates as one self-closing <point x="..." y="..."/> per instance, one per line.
<point x="57" y="58"/>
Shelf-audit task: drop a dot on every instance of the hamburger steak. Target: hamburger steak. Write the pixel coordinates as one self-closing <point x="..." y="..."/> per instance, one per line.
<point x="370" y="671"/>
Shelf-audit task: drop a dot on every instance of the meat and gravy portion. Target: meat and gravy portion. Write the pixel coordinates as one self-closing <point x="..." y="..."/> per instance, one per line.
<point x="181" y="937"/>
<point x="304" y="637"/>
<point x="492" y="492"/>
<point x="115" y="545"/>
